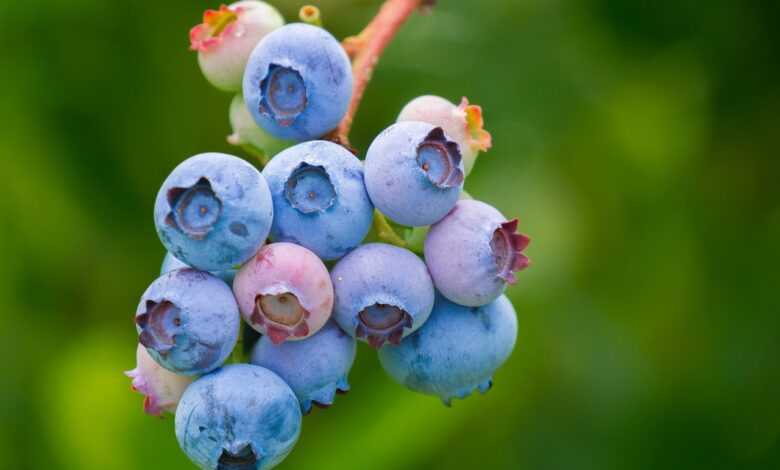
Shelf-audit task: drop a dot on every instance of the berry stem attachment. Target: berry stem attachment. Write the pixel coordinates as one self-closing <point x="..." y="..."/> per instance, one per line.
<point x="385" y="231"/>
<point x="365" y="50"/>
<point x="311" y="15"/>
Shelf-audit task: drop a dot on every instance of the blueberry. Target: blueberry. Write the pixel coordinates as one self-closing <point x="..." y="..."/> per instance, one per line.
<point x="171" y="263"/>
<point x="240" y="417"/>
<point x="463" y="123"/>
<point x="457" y="350"/>
<point x="284" y="292"/>
<point x="414" y="173"/>
<point x="382" y="293"/>
<point x="319" y="197"/>
<point x="473" y="253"/>
<point x="162" y="388"/>
<point x="226" y="38"/>
<point x="188" y="321"/>
<point x="298" y="82"/>
<point x="315" y="368"/>
<point x="213" y="211"/>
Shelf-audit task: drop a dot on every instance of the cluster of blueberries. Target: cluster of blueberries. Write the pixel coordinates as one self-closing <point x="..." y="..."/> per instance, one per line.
<point x="441" y="325"/>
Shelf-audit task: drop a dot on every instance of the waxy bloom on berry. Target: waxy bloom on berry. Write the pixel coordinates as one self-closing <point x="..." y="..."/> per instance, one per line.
<point x="226" y="38"/>
<point x="161" y="388"/>
<point x="463" y="123"/>
<point x="474" y="252"/>
<point x="284" y="292"/>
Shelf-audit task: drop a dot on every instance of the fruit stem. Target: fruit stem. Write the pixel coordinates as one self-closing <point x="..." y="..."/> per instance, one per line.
<point x="365" y="50"/>
<point x="385" y="231"/>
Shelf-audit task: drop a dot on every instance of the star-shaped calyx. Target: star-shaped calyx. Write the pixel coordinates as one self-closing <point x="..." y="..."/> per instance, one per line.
<point x="216" y="25"/>
<point x="282" y="316"/>
<point x="194" y="210"/>
<point x="507" y="247"/>
<point x="440" y="160"/>
<point x="380" y="323"/>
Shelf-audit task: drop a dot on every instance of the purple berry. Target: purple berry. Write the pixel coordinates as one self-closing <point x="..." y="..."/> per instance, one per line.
<point x="298" y="82"/>
<point x="320" y="201"/>
<point x="162" y="388"/>
<point x="284" y="292"/>
<point x="457" y="350"/>
<point x="188" y="321"/>
<point x="213" y="211"/>
<point x="383" y="293"/>
<point x="413" y="173"/>
<point x="240" y="417"/>
<point x="474" y="252"/>
<point x="315" y="368"/>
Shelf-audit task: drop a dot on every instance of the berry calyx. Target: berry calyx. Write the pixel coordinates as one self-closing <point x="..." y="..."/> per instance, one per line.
<point x="309" y="189"/>
<point x="159" y="325"/>
<point x="216" y="24"/>
<point x="282" y="316"/>
<point x="507" y="247"/>
<point x="476" y="136"/>
<point x="194" y="210"/>
<point x="440" y="159"/>
<point x="380" y="323"/>
<point x="284" y="95"/>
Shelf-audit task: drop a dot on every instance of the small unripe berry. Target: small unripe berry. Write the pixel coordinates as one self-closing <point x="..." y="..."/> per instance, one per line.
<point x="162" y="388"/>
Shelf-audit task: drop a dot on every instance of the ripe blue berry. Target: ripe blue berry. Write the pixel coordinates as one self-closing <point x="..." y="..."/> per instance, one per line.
<point x="284" y="292"/>
<point x="473" y="253"/>
<point x="213" y="211"/>
<point x="188" y="321"/>
<point x="315" y="368"/>
<point x="226" y="38"/>
<point x="298" y="82"/>
<point x="463" y="123"/>
<point x="414" y="173"/>
<point x="383" y="293"/>
<point x="171" y="263"/>
<point x="240" y="417"/>
<point x="320" y="201"/>
<point x="457" y="350"/>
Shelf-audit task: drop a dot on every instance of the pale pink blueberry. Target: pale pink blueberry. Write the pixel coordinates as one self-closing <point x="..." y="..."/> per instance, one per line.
<point x="161" y="387"/>
<point x="284" y="292"/>
<point x="226" y="38"/>
<point x="463" y="123"/>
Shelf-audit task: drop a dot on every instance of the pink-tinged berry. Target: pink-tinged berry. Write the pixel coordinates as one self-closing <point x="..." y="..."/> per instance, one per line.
<point x="226" y="38"/>
<point x="284" y="292"/>
<point x="463" y="123"/>
<point x="162" y="388"/>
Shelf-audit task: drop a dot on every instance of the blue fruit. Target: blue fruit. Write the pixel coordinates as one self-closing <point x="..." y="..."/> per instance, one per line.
<point x="414" y="173"/>
<point x="213" y="211"/>
<point x="383" y="293"/>
<point x="315" y="368"/>
<point x="298" y="82"/>
<point x="457" y="350"/>
<point x="474" y="252"/>
<point x="171" y="263"/>
<point x="320" y="201"/>
<point x="240" y="417"/>
<point x="188" y="321"/>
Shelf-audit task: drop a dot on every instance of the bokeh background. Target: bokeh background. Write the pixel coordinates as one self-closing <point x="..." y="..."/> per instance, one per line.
<point x="636" y="140"/>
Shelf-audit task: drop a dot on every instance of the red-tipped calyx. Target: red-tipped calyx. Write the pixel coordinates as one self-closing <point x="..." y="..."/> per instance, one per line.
<point x="215" y="24"/>
<point x="508" y="246"/>
<point x="282" y="315"/>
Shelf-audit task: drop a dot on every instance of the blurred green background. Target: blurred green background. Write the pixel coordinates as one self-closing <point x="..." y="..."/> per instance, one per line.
<point x="636" y="140"/>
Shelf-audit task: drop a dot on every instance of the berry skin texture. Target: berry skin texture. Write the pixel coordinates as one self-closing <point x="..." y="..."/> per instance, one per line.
<point x="464" y="123"/>
<point x="474" y="252"/>
<point x="315" y="368"/>
<point x="296" y="91"/>
<point x="213" y="211"/>
<point x="320" y="201"/>
<point x="226" y="38"/>
<point x="239" y="417"/>
<point x="188" y="321"/>
<point x="383" y="293"/>
<point x="162" y="388"/>
<point x="457" y="350"/>
<point x="171" y="263"/>
<point x="413" y="173"/>
<point x="284" y="292"/>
